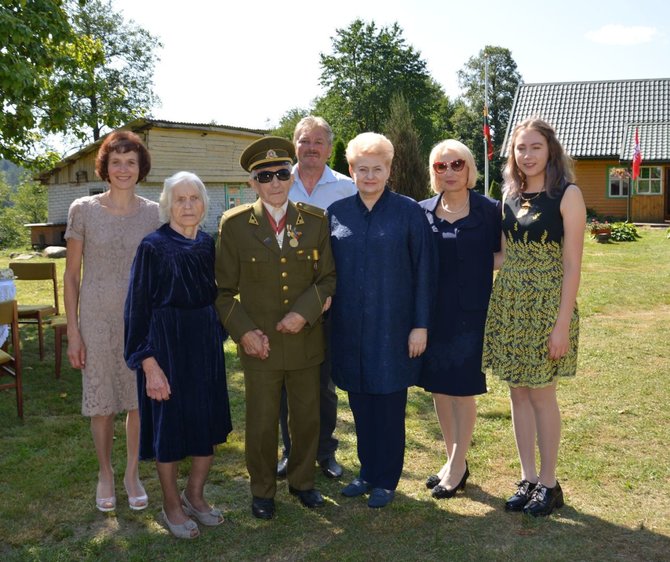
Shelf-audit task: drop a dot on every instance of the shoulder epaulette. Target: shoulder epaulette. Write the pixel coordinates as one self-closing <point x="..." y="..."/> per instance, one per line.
<point x="230" y="213"/>
<point x="311" y="209"/>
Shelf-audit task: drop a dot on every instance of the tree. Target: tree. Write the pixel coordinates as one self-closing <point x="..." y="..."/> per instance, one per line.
<point x="409" y="175"/>
<point x="288" y="122"/>
<point x="367" y="66"/>
<point x="338" y="158"/>
<point x="115" y="82"/>
<point x="34" y="73"/>
<point x="504" y="79"/>
<point x="28" y="204"/>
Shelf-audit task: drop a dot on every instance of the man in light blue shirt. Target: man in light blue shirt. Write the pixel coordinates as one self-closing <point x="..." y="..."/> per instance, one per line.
<point x="315" y="183"/>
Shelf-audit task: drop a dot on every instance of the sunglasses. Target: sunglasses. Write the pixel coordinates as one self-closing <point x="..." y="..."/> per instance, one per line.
<point x="266" y="175"/>
<point x="455" y="165"/>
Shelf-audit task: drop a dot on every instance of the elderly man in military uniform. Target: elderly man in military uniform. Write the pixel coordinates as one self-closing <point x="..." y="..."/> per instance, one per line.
<point x="275" y="255"/>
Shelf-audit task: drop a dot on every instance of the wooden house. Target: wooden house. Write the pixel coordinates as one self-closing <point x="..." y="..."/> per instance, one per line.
<point x="210" y="151"/>
<point x="596" y="124"/>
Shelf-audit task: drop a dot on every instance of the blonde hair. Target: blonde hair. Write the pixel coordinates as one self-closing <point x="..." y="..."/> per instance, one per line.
<point x="369" y="143"/>
<point x="462" y="151"/>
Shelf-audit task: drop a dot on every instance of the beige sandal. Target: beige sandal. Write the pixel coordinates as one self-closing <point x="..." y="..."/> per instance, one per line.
<point x="183" y="530"/>
<point x="210" y="518"/>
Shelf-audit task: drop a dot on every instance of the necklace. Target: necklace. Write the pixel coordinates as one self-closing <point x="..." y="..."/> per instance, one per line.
<point x="447" y="210"/>
<point x="525" y="203"/>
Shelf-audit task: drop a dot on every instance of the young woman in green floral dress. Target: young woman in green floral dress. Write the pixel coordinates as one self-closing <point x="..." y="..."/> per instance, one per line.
<point x="532" y="326"/>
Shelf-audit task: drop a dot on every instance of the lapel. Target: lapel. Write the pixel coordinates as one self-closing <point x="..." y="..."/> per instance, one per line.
<point x="262" y="229"/>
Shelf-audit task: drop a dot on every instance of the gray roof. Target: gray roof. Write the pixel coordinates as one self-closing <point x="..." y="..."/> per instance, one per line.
<point x="597" y="120"/>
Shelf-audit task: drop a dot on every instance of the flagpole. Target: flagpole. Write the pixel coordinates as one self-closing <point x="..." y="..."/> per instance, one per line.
<point x="486" y="114"/>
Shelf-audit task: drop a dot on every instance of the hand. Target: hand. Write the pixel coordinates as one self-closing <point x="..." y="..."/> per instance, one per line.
<point x="558" y="343"/>
<point x="418" y="338"/>
<point x="76" y="351"/>
<point x="255" y="344"/>
<point x="157" y="385"/>
<point x="326" y="305"/>
<point x="292" y="323"/>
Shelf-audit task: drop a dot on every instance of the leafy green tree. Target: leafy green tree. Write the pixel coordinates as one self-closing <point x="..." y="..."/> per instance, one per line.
<point x="338" y="158"/>
<point x="495" y="191"/>
<point x="35" y="72"/>
<point x="367" y="66"/>
<point x="115" y="81"/>
<point x="28" y="204"/>
<point x="503" y="81"/>
<point x="288" y="122"/>
<point x="409" y="174"/>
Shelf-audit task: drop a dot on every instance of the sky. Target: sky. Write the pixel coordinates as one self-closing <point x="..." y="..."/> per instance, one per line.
<point x="245" y="64"/>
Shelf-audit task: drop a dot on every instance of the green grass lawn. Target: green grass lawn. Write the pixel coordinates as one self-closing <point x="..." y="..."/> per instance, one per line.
<point x="614" y="464"/>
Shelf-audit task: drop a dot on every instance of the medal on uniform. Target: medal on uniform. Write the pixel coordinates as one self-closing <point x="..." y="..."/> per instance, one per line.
<point x="293" y="236"/>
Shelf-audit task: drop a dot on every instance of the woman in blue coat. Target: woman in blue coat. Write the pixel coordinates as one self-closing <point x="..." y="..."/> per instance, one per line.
<point x="467" y="231"/>
<point x="385" y="276"/>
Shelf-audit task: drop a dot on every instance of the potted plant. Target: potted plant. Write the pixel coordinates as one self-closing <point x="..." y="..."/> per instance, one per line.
<point x="601" y="231"/>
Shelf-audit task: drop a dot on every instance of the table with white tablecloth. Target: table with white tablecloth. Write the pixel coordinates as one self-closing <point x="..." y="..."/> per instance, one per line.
<point x="7" y="293"/>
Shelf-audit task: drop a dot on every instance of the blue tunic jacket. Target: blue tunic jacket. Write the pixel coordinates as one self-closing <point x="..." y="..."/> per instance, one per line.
<point x="386" y="264"/>
<point x="476" y="241"/>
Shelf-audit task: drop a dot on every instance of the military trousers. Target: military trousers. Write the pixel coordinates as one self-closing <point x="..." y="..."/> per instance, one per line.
<point x="263" y="394"/>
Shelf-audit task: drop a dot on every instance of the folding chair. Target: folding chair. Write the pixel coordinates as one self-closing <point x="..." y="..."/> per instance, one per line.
<point x="36" y="313"/>
<point x="10" y="365"/>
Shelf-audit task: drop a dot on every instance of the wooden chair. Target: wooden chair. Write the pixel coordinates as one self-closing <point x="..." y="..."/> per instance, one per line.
<point x="10" y="365"/>
<point x="37" y="313"/>
<point x="59" y="325"/>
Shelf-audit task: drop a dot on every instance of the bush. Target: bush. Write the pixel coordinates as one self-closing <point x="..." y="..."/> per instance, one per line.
<point x="624" y="232"/>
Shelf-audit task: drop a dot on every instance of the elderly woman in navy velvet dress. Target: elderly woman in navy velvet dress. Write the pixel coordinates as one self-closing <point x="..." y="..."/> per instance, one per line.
<point x="385" y="264"/>
<point x="175" y="342"/>
<point x="467" y="231"/>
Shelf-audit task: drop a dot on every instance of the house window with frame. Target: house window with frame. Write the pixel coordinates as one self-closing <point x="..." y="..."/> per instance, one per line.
<point x="618" y="182"/>
<point x="650" y="181"/>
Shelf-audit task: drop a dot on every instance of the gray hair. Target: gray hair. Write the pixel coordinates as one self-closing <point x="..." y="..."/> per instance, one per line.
<point x="165" y="201"/>
<point x="309" y="123"/>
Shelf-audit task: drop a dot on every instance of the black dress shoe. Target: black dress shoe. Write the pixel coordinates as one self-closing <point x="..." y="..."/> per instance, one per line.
<point x="544" y="500"/>
<point x="263" y="508"/>
<point x="309" y="498"/>
<point x="281" y="467"/>
<point x="440" y="492"/>
<point x="331" y="468"/>
<point x="432" y="481"/>
<point x="521" y="497"/>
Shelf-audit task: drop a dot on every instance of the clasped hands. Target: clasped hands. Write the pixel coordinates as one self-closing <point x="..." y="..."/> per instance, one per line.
<point x="256" y="344"/>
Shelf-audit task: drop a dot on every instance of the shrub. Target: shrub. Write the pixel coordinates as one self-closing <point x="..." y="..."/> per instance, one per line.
<point x="624" y="232"/>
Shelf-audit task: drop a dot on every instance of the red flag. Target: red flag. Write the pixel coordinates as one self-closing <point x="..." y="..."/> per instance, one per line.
<point x="487" y="135"/>
<point x="637" y="157"/>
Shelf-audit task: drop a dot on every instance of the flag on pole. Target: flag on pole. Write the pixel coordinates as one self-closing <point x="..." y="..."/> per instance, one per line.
<point x="487" y="134"/>
<point x="637" y="156"/>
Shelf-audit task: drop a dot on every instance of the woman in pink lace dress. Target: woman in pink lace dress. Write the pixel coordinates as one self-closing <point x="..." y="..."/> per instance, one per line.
<point x="103" y="232"/>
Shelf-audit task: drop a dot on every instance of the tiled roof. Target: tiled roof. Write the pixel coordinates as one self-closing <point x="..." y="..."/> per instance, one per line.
<point x="595" y="119"/>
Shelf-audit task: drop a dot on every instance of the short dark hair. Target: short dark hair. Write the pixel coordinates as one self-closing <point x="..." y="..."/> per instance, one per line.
<point x="122" y="142"/>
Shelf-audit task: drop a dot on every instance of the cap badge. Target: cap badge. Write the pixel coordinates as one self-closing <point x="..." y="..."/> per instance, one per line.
<point x="271" y="154"/>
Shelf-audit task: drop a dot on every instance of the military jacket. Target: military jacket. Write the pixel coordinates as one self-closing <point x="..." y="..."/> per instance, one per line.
<point x="259" y="283"/>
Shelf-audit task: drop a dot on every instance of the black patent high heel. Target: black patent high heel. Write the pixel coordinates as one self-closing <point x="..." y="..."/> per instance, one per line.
<point x="440" y="492"/>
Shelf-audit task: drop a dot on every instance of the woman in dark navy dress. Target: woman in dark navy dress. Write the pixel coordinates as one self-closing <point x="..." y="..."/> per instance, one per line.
<point x="175" y="342"/>
<point x="467" y="229"/>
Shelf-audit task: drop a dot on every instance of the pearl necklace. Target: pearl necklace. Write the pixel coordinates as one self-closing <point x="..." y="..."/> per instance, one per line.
<point x="447" y="210"/>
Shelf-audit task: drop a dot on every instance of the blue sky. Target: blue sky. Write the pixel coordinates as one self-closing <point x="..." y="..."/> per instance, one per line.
<point x="246" y="63"/>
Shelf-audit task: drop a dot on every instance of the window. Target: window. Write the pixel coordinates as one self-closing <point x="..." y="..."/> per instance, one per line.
<point x="619" y="182"/>
<point x="95" y="190"/>
<point x="649" y="182"/>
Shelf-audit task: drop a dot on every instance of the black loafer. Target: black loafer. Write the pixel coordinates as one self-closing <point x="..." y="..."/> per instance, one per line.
<point x="331" y="468"/>
<point x="544" y="500"/>
<point x="521" y="497"/>
<point x="309" y="498"/>
<point x="263" y="508"/>
<point x="281" y="467"/>
<point x="432" y="481"/>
